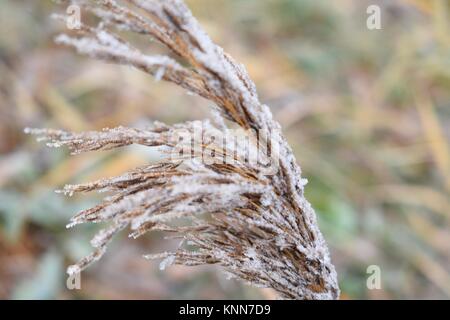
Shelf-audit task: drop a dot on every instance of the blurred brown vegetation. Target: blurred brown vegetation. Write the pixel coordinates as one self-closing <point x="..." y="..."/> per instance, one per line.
<point x="367" y="113"/>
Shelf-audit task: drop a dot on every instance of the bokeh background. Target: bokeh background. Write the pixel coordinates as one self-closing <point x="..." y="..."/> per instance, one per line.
<point x="367" y="113"/>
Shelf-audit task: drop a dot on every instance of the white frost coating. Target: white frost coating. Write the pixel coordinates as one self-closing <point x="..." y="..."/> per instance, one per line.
<point x="74" y="269"/>
<point x="104" y="235"/>
<point x="109" y="40"/>
<point x="160" y="73"/>
<point x="166" y="262"/>
<point x="266" y="199"/>
<point x="106" y="45"/>
<point x="303" y="182"/>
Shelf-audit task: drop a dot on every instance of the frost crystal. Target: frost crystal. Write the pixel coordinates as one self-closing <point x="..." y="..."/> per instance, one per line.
<point x="166" y="262"/>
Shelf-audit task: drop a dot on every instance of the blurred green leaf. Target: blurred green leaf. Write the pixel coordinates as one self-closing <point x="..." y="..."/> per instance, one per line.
<point x="45" y="283"/>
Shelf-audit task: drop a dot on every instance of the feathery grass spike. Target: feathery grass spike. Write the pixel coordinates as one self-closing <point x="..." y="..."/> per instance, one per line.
<point x="254" y="223"/>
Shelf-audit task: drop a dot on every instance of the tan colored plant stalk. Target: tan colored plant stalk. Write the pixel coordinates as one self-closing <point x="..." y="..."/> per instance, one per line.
<point x="256" y="224"/>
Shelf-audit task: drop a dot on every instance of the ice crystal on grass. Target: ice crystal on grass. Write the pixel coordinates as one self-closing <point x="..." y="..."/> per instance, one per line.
<point x="257" y="226"/>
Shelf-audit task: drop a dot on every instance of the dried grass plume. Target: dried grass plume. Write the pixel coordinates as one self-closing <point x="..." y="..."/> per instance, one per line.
<point x="257" y="226"/>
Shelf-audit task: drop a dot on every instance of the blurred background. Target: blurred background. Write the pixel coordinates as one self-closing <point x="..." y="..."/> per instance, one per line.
<point x="367" y="113"/>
